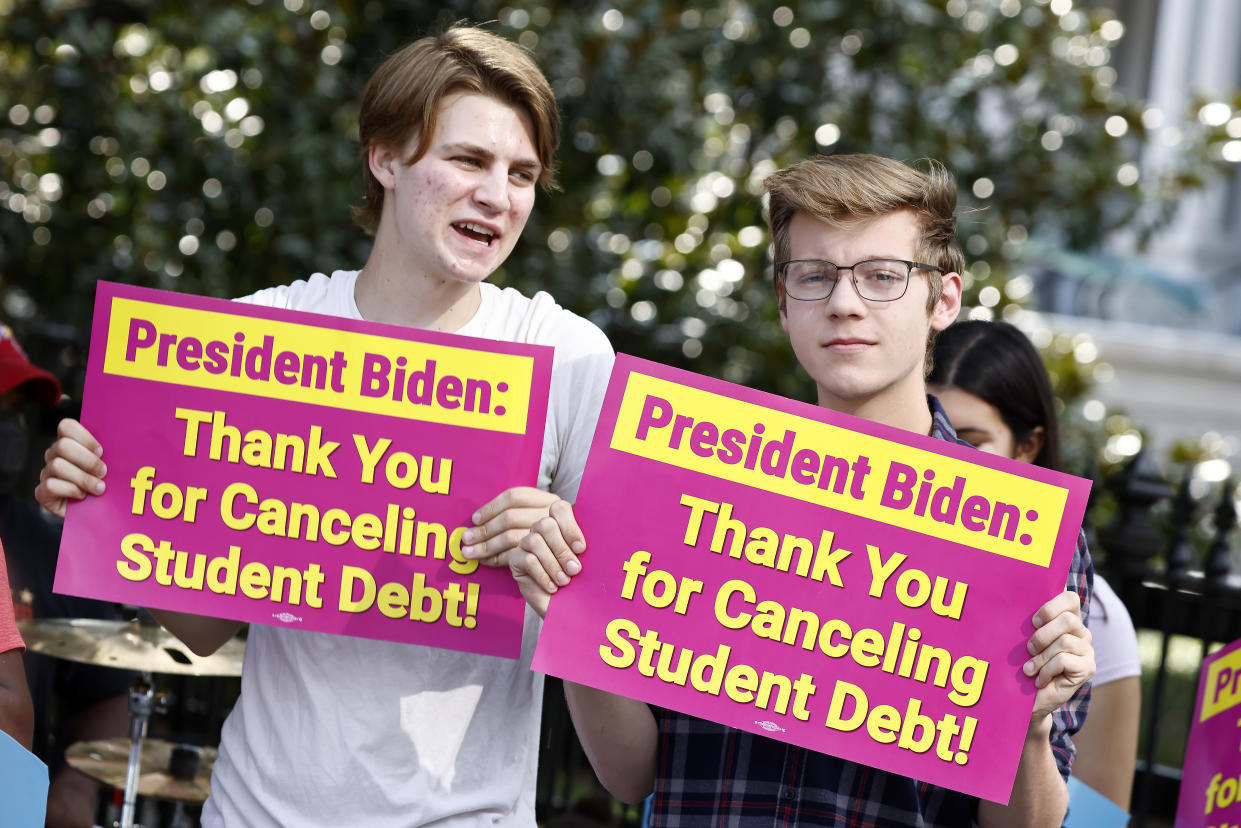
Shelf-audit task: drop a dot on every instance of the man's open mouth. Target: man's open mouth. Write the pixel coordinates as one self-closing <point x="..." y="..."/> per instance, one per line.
<point x="475" y="231"/>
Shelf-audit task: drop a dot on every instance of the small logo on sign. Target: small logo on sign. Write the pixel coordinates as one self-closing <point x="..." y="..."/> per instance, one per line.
<point x="286" y="617"/>
<point x="770" y="727"/>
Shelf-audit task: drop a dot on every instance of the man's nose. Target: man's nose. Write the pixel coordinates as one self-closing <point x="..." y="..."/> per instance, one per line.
<point x="492" y="191"/>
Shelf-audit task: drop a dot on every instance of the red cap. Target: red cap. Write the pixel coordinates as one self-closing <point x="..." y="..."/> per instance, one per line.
<point x="17" y="370"/>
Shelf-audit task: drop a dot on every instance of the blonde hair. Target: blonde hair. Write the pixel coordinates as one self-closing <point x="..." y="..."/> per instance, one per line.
<point x="403" y="98"/>
<point x="842" y="190"/>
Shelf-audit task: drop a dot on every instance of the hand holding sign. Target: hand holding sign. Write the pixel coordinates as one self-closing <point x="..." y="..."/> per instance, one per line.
<point x="73" y="469"/>
<point x="549" y="556"/>
<point x="1062" y="658"/>
<point x="501" y="523"/>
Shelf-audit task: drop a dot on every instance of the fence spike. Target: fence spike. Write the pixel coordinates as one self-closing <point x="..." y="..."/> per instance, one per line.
<point x="1180" y="553"/>
<point x="1219" y="557"/>
<point x="1131" y="538"/>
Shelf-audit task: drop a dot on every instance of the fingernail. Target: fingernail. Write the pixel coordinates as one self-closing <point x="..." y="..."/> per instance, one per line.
<point x="99" y="451"/>
<point x="468" y="551"/>
<point x="573" y="567"/>
<point x="1030" y="647"/>
<point x="562" y="579"/>
<point x="1038" y="622"/>
<point x="99" y="488"/>
<point x="1028" y="668"/>
<point x="103" y="470"/>
<point x="579" y="547"/>
<point x="468" y="536"/>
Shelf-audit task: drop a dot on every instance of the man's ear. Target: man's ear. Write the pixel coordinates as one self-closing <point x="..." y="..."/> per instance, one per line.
<point x="949" y="304"/>
<point x="1029" y="448"/>
<point x="382" y="161"/>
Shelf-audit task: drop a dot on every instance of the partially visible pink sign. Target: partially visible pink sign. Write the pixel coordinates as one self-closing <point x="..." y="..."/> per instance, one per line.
<point x="812" y="577"/>
<point x="301" y="470"/>
<point x="1211" y="777"/>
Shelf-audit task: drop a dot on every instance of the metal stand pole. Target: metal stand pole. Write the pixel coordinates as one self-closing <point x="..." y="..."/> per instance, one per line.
<point x="141" y="697"/>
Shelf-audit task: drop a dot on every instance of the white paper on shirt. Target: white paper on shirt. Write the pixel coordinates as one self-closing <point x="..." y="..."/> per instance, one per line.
<point x="436" y="722"/>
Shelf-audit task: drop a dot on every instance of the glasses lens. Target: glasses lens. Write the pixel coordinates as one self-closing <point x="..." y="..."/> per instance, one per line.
<point x="881" y="280"/>
<point x="810" y="279"/>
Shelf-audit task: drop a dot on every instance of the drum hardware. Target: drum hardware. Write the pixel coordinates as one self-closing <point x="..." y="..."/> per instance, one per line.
<point x="179" y="773"/>
<point x="168" y="771"/>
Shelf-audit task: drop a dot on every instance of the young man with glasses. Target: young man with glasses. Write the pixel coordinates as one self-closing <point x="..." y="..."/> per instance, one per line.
<point x="867" y="272"/>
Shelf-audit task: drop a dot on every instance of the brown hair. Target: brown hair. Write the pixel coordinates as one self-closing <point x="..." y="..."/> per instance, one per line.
<point x="403" y="98"/>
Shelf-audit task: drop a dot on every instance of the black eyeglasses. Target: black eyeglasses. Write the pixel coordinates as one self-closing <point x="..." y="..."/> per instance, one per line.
<point x="876" y="280"/>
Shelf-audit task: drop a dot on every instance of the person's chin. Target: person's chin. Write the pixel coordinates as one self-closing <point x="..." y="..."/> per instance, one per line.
<point x="470" y="270"/>
<point x="837" y="385"/>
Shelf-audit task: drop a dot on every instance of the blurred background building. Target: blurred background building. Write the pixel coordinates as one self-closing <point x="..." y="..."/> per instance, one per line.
<point x="1167" y="320"/>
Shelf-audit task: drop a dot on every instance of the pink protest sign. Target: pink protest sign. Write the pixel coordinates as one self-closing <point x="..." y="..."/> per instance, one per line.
<point x="301" y="470"/>
<point x="817" y="578"/>
<point x="1211" y="777"/>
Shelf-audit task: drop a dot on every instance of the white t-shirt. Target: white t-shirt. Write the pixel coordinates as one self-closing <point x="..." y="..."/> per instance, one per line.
<point x="1112" y="634"/>
<point x="337" y="731"/>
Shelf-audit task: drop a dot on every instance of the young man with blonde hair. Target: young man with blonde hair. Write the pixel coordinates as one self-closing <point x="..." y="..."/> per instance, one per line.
<point x="867" y="273"/>
<point x="457" y="130"/>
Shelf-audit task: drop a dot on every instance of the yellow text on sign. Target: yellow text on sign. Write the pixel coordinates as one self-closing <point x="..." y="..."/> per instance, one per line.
<point x="1222" y="685"/>
<point x="324" y="366"/>
<point x="858" y="473"/>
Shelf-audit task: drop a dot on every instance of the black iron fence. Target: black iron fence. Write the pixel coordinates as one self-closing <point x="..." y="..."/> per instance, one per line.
<point x="1169" y="558"/>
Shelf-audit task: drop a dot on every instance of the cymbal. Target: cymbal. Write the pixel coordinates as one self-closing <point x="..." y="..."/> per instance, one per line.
<point x="107" y="760"/>
<point x="127" y="645"/>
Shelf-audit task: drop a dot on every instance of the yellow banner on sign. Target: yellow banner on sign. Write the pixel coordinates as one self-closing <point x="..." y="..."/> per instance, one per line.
<point x="850" y="471"/>
<point x="1222" y="689"/>
<point x="324" y="366"/>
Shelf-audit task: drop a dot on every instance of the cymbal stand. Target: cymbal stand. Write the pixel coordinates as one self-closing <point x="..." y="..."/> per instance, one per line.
<point x="142" y="701"/>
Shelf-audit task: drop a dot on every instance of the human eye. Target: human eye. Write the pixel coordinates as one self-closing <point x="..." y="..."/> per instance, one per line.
<point x="884" y="273"/>
<point x="523" y="176"/>
<point x="468" y="161"/>
<point x="814" y="273"/>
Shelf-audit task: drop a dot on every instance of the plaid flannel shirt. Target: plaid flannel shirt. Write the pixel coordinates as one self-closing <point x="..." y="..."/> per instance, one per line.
<point x="709" y="774"/>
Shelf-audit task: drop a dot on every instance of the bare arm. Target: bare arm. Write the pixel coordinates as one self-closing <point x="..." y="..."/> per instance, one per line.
<point x="619" y="735"/>
<point x="1061" y="661"/>
<point x="1107" y="744"/>
<point x="16" y="710"/>
<point x="202" y="634"/>
<point x="1040" y="797"/>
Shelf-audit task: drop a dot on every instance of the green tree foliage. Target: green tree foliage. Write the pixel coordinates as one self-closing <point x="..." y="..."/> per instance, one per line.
<point x="212" y="148"/>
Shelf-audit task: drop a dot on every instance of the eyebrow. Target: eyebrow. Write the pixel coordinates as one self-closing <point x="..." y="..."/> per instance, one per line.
<point x="867" y="258"/>
<point x="888" y="256"/>
<point x="531" y="164"/>
<point x="982" y="432"/>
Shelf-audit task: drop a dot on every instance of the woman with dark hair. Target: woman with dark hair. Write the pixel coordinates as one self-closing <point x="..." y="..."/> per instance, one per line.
<point x="994" y="387"/>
